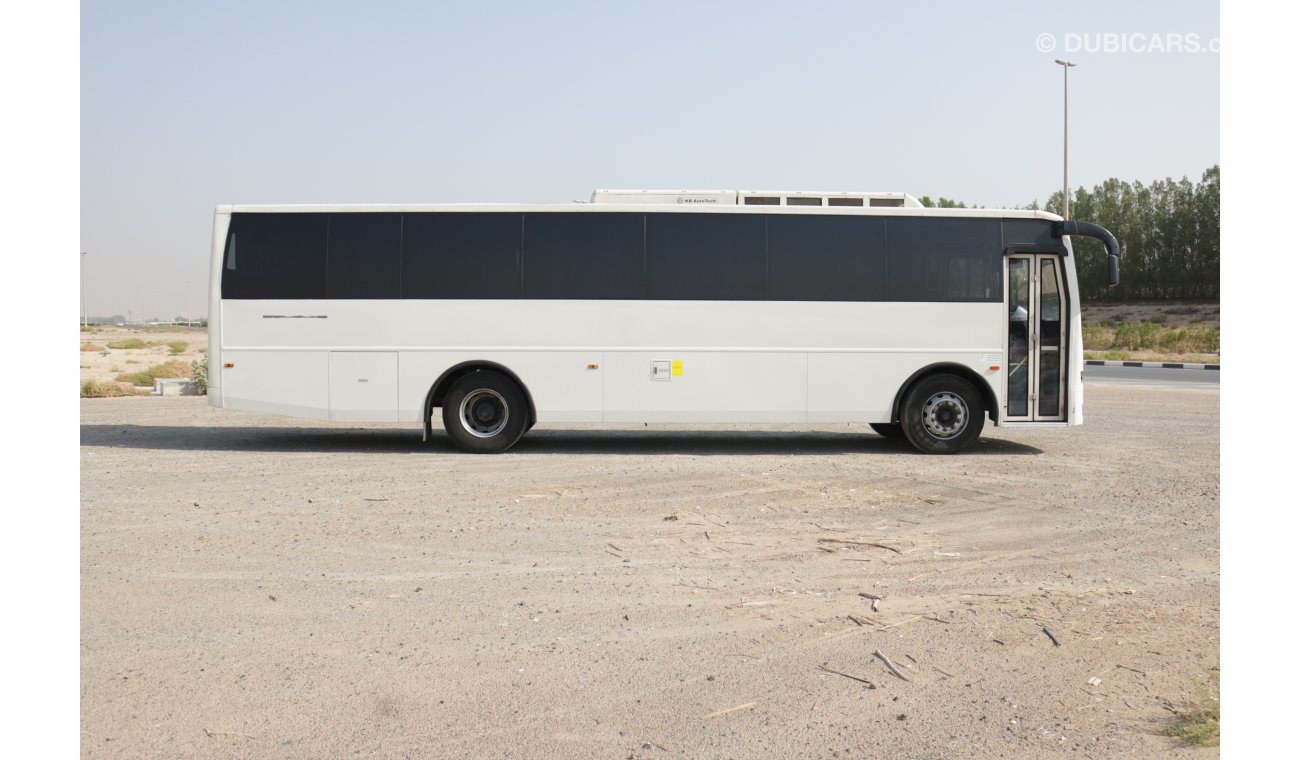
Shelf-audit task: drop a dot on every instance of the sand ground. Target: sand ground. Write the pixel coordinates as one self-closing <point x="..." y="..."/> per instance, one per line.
<point x="104" y="364"/>
<point x="257" y="587"/>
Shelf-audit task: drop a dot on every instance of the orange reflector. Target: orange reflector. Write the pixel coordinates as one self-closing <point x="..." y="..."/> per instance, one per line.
<point x="593" y="366"/>
<point x="995" y="367"/>
<point x="228" y="365"/>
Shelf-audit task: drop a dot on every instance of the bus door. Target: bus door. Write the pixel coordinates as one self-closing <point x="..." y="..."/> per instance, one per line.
<point x="1036" y="334"/>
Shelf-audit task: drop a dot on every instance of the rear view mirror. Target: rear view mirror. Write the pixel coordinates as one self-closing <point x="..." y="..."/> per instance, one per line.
<point x="1112" y="262"/>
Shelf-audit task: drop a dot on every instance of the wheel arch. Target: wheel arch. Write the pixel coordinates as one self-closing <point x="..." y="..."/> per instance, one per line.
<point x="980" y="383"/>
<point x="438" y="391"/>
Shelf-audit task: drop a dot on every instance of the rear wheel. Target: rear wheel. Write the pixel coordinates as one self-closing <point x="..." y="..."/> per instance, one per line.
<point x="484" y="412"/>
<point x="888" y="429"/>
<point x="943" y="414"/>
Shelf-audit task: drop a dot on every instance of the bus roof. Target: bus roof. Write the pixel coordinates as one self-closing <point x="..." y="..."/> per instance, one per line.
<point x="610" y="207"/>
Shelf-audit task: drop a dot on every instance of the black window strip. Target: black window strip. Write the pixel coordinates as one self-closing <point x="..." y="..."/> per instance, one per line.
<point x="329" y="218"/>
<point x="887" y="287"/>
<point x="928" y="277"/>
<point x="767" y="260"/>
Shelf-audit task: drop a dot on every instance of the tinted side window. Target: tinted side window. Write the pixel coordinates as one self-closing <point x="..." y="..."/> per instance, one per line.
<point x="706" y="257"/>
<point x="275" y="256"/>
<point x="364" y="258"/>
<point x="584" y="255"/>
<point x="945" y="259"/>
<point x="826" y="258"/>
<point x="461" y="255"/>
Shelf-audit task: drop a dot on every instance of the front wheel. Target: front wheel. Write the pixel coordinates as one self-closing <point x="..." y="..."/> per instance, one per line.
<point x="484" y="412"/>
<point x="943" y="414"/>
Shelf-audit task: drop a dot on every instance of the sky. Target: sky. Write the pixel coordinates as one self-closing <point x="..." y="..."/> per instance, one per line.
<point x="187" y="105"/>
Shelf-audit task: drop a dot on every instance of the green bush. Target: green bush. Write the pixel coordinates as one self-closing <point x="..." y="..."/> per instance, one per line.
<point x="1137" y="336"/>
<point x="1203" y="340"/>
<point x="1198" y="725"/>
<point x="199" y="371"/>
<point x="178" y="347"/>
<point x="1098" y="336"/>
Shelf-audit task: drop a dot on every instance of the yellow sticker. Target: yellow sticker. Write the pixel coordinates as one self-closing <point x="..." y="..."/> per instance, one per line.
<point x="677" y="367"/>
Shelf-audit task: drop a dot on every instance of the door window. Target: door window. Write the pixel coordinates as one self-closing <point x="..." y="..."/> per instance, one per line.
<point x="1049" y="341"/>
<point x="1018" y="337"/>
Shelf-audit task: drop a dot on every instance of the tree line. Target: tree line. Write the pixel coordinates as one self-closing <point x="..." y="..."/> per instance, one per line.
<point x="1168" y="231"/>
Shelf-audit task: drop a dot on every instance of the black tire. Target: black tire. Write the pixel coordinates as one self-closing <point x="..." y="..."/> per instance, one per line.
<point x="891" y="430"/>
<point x="943" y="414"/>
<point x="484" y="412"/>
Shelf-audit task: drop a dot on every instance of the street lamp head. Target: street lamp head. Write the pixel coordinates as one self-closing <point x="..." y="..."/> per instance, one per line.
<point x="1066" y="64"/>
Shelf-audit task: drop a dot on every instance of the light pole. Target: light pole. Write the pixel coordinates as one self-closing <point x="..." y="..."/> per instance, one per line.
<point x="83" y="289"/>
<point x="1065" y="177"/>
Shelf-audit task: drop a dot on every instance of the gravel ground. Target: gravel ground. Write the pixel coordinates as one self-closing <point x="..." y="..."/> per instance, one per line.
<point x="259" y="587"/>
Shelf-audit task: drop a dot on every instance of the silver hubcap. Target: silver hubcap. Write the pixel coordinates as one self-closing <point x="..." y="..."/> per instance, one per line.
<point x="945" y="415"/>
<point x="484" y="413"/>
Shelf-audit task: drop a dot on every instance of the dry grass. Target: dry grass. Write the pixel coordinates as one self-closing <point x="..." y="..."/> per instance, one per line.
<point x="1148" y="336"/>
<point x="173" y="368"/>
<point x="131" y="343"/>
<point x="99" y="389"/>
<point x="1151" y="356"/>
<point x="91" y="348"/>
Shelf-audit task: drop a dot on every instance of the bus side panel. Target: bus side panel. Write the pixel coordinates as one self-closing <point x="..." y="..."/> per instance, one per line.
<point x="855" y="387"/>
<point x="563" y="385"/>
<point x="860" y="387"/>
<point x="293" y="383"/>
<point x="363" y="386"/>
<point x="706" y="386"/>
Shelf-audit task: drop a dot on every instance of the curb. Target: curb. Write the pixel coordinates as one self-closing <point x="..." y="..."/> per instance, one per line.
<point x="1155" y="365"/>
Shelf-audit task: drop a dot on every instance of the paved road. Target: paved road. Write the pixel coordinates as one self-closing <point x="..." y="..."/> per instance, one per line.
<point x="1149" y="376"/>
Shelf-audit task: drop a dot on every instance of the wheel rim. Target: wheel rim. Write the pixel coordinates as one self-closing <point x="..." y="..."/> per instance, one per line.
<point x="945" y="415"/>
<point x="484" y="413"/>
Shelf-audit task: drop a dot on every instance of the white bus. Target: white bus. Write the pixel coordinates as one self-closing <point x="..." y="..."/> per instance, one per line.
<point x="651" y="306"/>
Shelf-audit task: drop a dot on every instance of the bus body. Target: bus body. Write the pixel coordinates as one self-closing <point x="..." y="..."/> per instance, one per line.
<point x="648" y="306"/>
